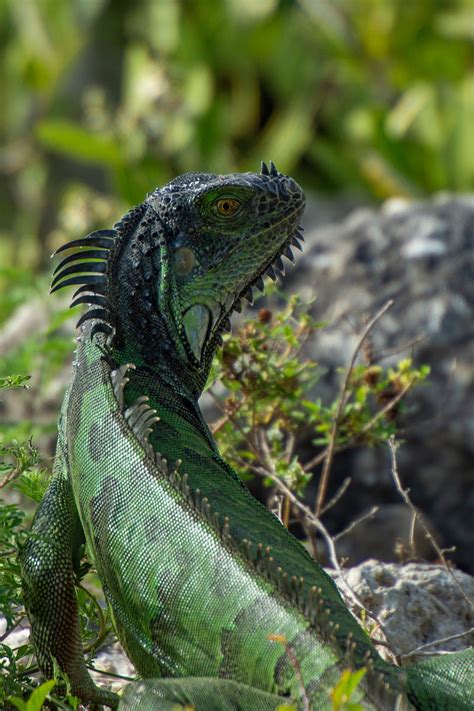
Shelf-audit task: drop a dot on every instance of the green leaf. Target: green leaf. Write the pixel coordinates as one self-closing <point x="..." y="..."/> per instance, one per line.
<point x="345" y="688"/>
<point x="37" y="698"/>
<point x="72" y="140"/>
<point x="33" y="483"/>
<point x="14" y="381"/>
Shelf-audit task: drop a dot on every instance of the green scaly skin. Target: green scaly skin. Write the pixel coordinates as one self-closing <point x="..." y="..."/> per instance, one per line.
<point x="199" y="576"/>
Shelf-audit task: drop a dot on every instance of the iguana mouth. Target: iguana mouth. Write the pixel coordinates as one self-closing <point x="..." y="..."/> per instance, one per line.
<point x="275" y="266"/>
<point x="203" y="322"/>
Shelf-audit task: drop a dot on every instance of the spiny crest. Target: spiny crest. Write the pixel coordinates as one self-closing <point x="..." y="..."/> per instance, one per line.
<point x="140" y="416"/>
<point x="87" y="267"/>
<point x="119" y="380"/>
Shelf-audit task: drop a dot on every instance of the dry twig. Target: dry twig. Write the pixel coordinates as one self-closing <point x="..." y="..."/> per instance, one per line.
<point x="355" y="523"/>
<point x="337" y="496"/>
<point x="340" y="405"/>
<point x="423" y="647"/>
<point x="404" y="493"/>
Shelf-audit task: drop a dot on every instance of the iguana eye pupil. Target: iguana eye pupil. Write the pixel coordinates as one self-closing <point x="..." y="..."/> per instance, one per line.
<point x="227" y="206"/>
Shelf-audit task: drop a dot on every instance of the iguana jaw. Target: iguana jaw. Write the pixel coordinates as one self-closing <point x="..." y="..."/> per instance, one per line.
<point x="202" y="324"/>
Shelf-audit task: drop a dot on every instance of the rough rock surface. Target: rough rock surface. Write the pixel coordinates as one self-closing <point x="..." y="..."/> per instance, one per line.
<point x="417" y="603"/>
<point x="420" y="255"/>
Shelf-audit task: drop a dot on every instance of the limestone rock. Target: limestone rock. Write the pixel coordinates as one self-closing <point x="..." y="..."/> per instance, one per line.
<point x="417" y="603"/>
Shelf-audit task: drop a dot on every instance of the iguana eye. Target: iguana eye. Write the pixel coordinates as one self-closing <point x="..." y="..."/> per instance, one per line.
<point x="227" y="206"/>
<point x="184" y="261"/>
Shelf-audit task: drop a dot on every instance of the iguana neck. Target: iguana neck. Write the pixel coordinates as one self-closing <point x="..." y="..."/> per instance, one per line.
<point x="143" y="304"/>
<point x="181" y="422"/>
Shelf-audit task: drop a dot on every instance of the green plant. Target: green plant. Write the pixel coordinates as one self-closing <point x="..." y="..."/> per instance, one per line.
<point x="269" y="406"/>
<point x="377" y="99"/>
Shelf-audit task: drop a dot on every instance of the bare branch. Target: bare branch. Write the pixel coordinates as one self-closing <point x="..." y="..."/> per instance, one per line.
<point x="404" y="493"/>
<point x="386" y="408"/>
<point x="355" y="523"/>
<point x="435" y="643"/>
<point x="340" y="404"/>
<point x="17" y="621"/>
<point x="320" y="457"/>
<point x="13" y="474"/>
<point x="399" y="349"/>
<point x="337" y="496"/>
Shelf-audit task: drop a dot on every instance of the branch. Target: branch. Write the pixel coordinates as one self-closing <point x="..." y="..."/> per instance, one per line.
<point x="13" y="474"/>
<point x="355" y="523"/>
<point x="12" y="627"/>
<point x="386" y="408"/>
<point x="404" y="493"/>
<point x="340" y="404"/>
<point x="423" y="647"/>
<point x="337" y="496"/>
<point x="399" y="349"/>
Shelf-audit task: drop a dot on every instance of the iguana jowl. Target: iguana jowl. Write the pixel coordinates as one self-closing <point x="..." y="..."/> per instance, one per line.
<point x="198" y="575"/>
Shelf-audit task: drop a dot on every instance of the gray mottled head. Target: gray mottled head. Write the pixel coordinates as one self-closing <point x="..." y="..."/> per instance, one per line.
<point x="166" y="279"/>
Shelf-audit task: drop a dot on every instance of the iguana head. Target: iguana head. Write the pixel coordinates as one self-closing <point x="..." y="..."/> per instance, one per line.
<point x="222" y="234"/>
<point x="171" y="272"/>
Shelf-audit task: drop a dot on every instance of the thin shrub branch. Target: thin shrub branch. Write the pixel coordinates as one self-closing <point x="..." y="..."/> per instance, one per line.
<point x="323" y="484"/>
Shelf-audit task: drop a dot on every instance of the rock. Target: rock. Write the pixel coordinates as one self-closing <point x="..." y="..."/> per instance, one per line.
<point x="417" y="603"/>
<point x="420" y="255"/>
<point x="113" y="659"/>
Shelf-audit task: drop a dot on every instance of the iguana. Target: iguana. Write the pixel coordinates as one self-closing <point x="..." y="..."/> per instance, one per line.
<point x="215" y="602"/>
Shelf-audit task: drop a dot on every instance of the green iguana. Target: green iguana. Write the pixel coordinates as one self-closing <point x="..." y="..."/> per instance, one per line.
<point x="214" y="601"/>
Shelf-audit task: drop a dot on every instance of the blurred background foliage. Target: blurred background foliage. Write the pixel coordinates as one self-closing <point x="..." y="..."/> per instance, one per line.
<point x="102" y="100"/>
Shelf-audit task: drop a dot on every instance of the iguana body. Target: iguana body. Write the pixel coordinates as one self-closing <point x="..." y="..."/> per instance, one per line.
<point x="201" y="579"/>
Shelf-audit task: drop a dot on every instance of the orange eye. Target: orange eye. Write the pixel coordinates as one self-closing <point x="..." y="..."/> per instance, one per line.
<point x="227" y="206"/>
